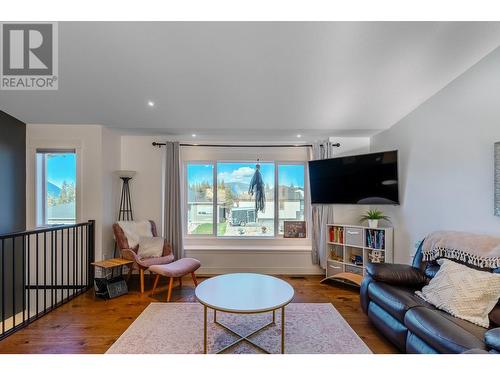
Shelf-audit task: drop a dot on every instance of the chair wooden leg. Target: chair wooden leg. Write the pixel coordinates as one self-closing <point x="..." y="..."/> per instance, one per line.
<point x="180" y="281"/>
<point x="194" y="279"/>
<point x="141" y="271"/>
<point x="130" y="269"/>
<point x="155" y="284"/>
<point x="170" y="284"/>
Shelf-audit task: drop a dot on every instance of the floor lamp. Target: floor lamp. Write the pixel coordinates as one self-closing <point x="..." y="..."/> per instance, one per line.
<point x="125" y="212"/>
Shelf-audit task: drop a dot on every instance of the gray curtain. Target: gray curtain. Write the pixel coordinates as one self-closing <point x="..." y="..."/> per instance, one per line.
<point x="322" y="214"/>
<point x="173" y="217"/>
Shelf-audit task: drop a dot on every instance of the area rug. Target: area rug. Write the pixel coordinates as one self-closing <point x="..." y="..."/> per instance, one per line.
<point x="177" y="328"/>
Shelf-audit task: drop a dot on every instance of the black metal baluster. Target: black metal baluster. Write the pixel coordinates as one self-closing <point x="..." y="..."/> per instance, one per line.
<point x="13" y="282"/>
<point x="29" y="277"/>
<point x="62" y="265"/>
<point x="75" y="242"/>
<point x="37" y="253"/>
<point x="3" y="287"/>
<point x="55" y="269"/>
<point x="67" y="264"/>
<point x="45" y="269"/>
<point x="51" y="270"/>
<point x="80" y="275"/>
<point x="24" y="277"/>
<point x="90" y="255"/>
<point x="87" y="257"/>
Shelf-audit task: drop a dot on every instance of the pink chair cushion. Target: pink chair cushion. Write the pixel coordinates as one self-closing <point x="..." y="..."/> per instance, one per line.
<point x="178" y="268"/>
<point x="148" y="262"/>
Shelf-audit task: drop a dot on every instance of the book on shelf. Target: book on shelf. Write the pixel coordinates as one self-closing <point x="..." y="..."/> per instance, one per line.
<point x="375" y="238"/>
<point x="336" y="234"/>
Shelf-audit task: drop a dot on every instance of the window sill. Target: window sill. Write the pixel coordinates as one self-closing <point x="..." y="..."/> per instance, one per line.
<point x="255" y="248"/>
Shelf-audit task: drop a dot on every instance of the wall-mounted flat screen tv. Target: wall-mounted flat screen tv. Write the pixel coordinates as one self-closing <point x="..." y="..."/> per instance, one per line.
<point x="359" y="179"/>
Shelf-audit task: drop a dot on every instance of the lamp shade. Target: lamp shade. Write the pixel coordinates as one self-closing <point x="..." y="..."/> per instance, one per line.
<point x="125" y="174"/>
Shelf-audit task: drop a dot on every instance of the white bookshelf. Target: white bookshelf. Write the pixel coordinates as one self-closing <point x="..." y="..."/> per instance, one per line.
<point x="350" y="247"/>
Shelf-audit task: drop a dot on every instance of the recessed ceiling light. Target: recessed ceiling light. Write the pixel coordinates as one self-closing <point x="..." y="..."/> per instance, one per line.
<point x="193" y="135"/>
<point x="299" y="135"/>
<point x="151" y="103"/>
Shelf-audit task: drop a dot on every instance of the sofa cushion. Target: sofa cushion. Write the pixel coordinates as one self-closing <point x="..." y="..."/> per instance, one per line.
<point x="395" y="300"/>
<point x="415" y="345"/>
<point x="397" y="274"/>
<point x="492" y="338"/>
<point x="444" y="332"/>
<point x="148" y="262"/>
<point x="150" y="247"/>
<point x="178" y="268"/>
<point x="463" y="292"/>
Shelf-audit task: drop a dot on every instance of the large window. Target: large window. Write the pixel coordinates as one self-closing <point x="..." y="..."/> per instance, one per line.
<point x="232" y="211"/>
<point x="56" y="187"/>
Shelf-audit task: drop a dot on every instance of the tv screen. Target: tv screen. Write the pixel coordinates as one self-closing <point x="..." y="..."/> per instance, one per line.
<point x="360" y="179"/>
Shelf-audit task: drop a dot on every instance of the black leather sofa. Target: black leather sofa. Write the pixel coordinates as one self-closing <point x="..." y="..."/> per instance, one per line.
<point x="413" y="325"/>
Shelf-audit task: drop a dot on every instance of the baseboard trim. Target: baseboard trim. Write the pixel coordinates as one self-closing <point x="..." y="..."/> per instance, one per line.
<point x="263" y="270"/>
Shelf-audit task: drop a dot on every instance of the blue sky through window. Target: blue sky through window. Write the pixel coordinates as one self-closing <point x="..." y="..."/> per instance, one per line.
<point x="60" y="168"/>
<point x="243" y="172"/>
<point x="289" y="175"/>
<point x="200" y="173"/>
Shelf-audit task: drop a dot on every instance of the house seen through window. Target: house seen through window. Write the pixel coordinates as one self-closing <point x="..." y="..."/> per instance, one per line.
<point x="56" y="187"/>
<point x="231" y="212"/>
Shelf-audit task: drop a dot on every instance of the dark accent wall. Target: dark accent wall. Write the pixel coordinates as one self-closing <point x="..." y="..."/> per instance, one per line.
<point x="13" y="174"/>
<point x="12" y="210"/>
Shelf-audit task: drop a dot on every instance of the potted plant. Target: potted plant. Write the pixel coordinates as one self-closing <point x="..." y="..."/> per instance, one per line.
<point x="373" y="217"/>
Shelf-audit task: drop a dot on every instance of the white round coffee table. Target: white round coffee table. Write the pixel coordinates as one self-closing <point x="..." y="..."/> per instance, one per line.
<point x="244" y="293"/>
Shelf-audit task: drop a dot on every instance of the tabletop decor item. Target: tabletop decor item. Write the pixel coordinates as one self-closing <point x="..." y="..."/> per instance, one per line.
<point x="373" y="217"/>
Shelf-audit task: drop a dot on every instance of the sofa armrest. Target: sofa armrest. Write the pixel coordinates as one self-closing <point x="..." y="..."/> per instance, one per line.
<point x="396" y="274"/>
<point x="492" y="339"/>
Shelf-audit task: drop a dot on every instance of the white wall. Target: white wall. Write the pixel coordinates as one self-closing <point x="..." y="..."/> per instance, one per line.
<point x="98" y="155"/>
<point x="446" y="159"/>
<point x="283" y="256"/>
<point x="86" y="139"/>
<point x="102" y="151"/>
<point x="111" y="187"/>
<point x="139" y="155"/>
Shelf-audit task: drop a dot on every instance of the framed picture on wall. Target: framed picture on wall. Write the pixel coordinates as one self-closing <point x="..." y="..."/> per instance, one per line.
<point x="294" y="229"/>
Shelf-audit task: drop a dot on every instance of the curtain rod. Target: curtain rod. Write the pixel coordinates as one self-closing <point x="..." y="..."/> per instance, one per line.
<point x="157" y="144"/>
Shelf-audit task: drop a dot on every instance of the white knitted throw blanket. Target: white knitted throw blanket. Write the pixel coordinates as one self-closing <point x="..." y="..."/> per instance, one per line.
<point x="478" y="250"/>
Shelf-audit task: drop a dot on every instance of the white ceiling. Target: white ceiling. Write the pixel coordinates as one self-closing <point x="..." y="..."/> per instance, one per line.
<point x="260" y="81"/>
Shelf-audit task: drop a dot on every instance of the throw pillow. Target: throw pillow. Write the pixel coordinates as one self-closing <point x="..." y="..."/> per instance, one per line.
<point x="463" y="292"/>
<point x="133" y="230"/>
<point x="150" y="247"/>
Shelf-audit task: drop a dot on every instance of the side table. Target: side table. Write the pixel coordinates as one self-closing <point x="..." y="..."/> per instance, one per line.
<point x="110" y="285"/>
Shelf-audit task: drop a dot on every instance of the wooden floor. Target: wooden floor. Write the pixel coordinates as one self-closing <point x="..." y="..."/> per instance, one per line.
<point x="91" y="325"/>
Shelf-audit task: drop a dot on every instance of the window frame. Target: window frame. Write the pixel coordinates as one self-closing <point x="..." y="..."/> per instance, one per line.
<point x="40" y="218"/>
<point x="276" y="234"/>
